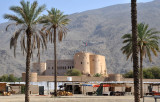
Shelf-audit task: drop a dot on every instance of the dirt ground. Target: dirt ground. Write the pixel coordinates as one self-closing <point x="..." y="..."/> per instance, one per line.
<point x="75" y="98"/>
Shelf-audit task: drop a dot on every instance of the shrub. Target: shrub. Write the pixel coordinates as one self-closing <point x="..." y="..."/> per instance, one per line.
<point x="97" y="75"/>
<point x="73" y="72"/>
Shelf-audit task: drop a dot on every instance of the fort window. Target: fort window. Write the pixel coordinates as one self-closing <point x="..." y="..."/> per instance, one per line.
<point x="81" y="62"/>
<point x="52" y="67"/>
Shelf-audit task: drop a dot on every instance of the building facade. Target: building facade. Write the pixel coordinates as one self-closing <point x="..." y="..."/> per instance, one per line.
<point x="62" y="67"/>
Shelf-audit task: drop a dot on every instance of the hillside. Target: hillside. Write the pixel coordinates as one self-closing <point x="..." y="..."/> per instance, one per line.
<point x="102" y="29"/>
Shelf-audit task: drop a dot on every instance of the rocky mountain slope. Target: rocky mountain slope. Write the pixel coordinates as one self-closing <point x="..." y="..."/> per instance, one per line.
<point x="101" y="28"/>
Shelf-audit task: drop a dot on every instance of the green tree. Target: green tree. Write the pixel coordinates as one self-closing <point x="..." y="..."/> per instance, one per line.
<point x="9" y="78"/>
<point x="155" y="72"/>
<point x="4" y="78"/>
<point x="148" y="73"/>
<point x="73" y="72"/>
<point x="55" y="24"/>
<point x="128" y="74"/>
<point x="147" y="42"/>
<point x="135" y="49"/>
<point x="26" y="17"/>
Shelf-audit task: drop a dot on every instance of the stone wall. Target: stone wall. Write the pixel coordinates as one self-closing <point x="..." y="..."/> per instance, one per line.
<point x="34" y="89"/>
<point x="74" y="78"/>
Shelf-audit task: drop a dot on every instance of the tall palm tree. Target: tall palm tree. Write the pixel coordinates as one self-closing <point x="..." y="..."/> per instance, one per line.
<point x="147" y="42"/>
<point x="135" y="49"/>
<point x="55" y="24"/>
<point x="26" y="18"/>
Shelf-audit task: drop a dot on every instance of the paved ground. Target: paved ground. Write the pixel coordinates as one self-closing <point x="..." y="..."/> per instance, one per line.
<point x="75" y="98"/>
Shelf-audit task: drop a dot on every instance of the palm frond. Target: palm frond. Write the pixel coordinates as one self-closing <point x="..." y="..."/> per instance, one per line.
<point x="147" y="41"/>
<point x="14" y="18"/>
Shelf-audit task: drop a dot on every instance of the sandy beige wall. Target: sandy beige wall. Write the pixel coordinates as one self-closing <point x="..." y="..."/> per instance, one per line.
<point x="82" y="62"/>
<point x="74" y="78"/>
<point x="33" y="77"/>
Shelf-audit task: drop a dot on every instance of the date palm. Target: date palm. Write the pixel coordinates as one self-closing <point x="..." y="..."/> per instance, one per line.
<point x="147" y="43"/>
<point x="26" y="18"/>
<point x="135" y="49"/>
<point x="55" y="24"/>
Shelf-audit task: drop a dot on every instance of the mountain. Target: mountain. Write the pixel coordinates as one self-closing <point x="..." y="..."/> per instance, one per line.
<point x="102" y="29"/>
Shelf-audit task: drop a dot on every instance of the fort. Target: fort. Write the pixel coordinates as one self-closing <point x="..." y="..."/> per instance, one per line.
<point x="88" y="64"/>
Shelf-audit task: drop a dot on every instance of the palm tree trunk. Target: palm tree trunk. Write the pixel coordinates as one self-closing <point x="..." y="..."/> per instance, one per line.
<point x="28" y="32"/>
<point x="135" y="50"/>
<point x="141" y="73"/>
<point x="55" y="63"/>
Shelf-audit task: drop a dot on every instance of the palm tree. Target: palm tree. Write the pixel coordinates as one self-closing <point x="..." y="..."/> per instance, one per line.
<point x="54" y="24"/>
<point x="147" y="42"/>
<point x="26" y="18"/>
<point x="135" y="49"/>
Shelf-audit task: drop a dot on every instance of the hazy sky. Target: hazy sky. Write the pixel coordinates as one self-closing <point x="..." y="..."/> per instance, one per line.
<point x="67" y="6"/>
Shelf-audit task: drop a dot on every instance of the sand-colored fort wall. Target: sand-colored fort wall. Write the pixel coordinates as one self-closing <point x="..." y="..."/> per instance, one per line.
<point x="89" y="63"/>
<point x="33" y="77"/>
<point x="82" y="62"/>
<point x="74" y="78"/>
<point x="39" y="68"/>
<point x="97" y="64"/>
<point x="115" y="77"/>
